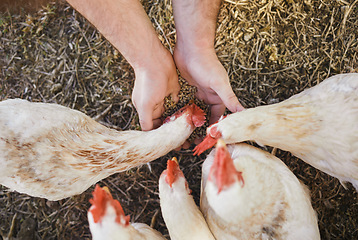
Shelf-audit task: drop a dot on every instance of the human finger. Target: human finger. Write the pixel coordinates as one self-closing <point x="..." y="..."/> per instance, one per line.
<point x="145" y="114"/>
<point x="157" y="123"/>
<point x="217" y="110"/>
<point x="229" y="98"/>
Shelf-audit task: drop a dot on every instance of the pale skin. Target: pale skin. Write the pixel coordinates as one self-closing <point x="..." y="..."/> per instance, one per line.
<point x="126" y="25"/>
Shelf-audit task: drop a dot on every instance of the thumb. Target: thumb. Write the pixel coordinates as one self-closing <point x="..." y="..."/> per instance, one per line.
<point x="173" y="90"/>
<point x="145" y="118"/>
<point x="229" y="98"/>
<point x="175" y="96"/>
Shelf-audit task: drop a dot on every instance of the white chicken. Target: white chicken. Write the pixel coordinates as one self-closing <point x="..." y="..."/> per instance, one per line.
<point x="181" y="215"/>
<point x="107" y="220"/>
<point x="318" y="125"/>
<point x="248" y="193"/>
<point x="53" y="152"/>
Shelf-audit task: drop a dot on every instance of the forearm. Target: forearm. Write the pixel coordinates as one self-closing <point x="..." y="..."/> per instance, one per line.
<point x="195" y="21"/>
<point x="125" y="24"/>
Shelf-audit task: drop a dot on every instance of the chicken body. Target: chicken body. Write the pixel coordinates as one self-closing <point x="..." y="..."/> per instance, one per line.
<point x="109" y="229"/>
<point x="255" y="197"/>
<point x="182" y="216"/>
<point x="54" y="152"/>
<point x="318" y="125"/>
<point x="108" y="221"/>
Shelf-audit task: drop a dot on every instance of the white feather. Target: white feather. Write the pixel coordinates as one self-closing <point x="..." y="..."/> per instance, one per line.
<point x="108" y="229"/>
<point x="272" y="204"/>
<point x="318" y="125"/>
<point x="181" y="215"/>
<point x="54" y="152"/>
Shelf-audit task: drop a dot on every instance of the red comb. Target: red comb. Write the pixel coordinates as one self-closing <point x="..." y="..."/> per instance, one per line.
<point x="209" y="141"/>
<point x="197" y="115"/>
<point x="223" y="168"/>
<point x="121" y="217"/>
<point x="99" y="203"/>
<point x="173" y="171"/>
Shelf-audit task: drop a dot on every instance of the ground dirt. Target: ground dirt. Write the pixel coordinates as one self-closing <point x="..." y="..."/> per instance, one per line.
<point x="271" y="49"/>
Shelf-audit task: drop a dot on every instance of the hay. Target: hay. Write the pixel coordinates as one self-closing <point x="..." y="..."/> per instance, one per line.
<point x="272" y="49"/>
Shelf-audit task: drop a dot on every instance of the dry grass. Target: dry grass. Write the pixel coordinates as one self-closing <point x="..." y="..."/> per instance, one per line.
<point x="271" y="49"/>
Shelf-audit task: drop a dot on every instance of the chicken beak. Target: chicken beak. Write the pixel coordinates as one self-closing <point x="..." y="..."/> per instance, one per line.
<point x="105" y="188"/>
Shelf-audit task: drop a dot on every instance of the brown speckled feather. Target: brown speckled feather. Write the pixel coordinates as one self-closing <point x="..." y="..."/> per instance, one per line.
<point x="54" y="152"/>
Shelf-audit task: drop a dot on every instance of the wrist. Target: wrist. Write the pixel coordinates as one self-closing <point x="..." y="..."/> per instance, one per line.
<point x="155" y="67"/>
<point x="194" y="44"/>
<point x="148" y="56"/>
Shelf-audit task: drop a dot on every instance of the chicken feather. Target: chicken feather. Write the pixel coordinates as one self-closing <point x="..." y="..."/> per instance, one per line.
<point x="318" y="125"/>
<point x="271" y="204"/>
<point x="54" y="152"/>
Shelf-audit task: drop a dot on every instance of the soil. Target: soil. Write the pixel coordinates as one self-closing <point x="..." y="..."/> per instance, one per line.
<point x="271" y="49"/>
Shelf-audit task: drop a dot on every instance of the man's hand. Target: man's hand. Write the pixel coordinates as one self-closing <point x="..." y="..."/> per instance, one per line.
<point x="201" y="68"/>
<point x="126" y="25"/>
<point x="195" y="57"/>
<point x="154" y="81"/>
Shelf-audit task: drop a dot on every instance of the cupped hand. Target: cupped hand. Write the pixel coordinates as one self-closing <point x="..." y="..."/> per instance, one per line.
<point x="202" y="68"/>
<point x="154" y="81"/>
